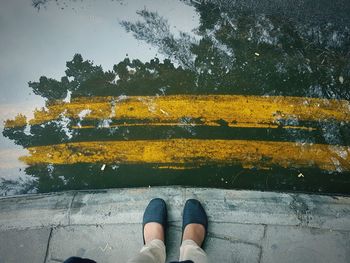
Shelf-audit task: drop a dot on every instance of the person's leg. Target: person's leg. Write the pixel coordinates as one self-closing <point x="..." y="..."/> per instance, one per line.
<point x="154" y="226"/>
<point x="190" y="250"/>
<point x="193" y="237"/>
<point x="152" y="252"/>
<point x="195" y="225"/>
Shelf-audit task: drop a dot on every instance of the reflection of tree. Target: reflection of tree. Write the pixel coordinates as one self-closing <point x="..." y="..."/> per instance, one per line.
<point x="86" y="79"/>
<point x="152" y="78"/>
<point x="134" y="77"/>
<point x="252" y="53"/>
<point x="244" y="47"/>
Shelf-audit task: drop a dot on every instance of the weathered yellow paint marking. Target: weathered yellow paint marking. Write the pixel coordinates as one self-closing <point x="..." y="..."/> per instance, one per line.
<point x="195" y="152"/>
<point x="236" y="110"/>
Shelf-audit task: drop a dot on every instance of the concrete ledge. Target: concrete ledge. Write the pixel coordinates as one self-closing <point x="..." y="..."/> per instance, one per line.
<point x="127" y="205"/>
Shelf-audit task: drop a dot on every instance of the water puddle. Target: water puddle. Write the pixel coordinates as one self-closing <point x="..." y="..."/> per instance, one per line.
<point x="228" y="94"/>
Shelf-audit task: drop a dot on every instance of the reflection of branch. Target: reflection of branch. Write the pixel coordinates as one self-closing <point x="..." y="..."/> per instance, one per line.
<point x="155" y="30"/>
<point x="38" y="4"/>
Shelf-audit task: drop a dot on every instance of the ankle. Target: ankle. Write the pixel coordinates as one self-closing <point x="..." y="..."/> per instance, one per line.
<point x="153" y="231"/>
<point x="194" y="232"/>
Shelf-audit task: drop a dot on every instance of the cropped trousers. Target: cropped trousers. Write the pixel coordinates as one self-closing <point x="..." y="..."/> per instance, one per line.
<point x="154" y="252"/>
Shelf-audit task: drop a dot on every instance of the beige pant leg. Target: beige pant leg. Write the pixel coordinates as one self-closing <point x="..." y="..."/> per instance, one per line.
<point x="189" y="250"/>
<point x="152" y="252"/>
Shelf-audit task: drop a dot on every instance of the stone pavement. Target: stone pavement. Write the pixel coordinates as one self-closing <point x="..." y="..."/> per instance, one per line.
<point x="245" y="226"/>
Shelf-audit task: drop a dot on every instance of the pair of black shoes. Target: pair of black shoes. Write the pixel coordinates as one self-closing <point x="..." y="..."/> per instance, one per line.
<point x="193" y="213"/>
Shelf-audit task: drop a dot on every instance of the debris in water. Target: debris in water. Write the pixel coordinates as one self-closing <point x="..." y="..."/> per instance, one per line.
<point x="103" y="167"/>
<point x="256" y="54"/>
<point x="341" y="79"/>
<point x="300" y="175"/>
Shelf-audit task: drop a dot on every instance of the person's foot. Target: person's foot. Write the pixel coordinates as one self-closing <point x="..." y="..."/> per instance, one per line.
<point x="154" y="220"/>
<point x="194" y="222"/>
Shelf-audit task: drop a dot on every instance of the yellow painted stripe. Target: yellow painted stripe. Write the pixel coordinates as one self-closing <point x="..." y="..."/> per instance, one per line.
<point x="236" y="110"/>
<point x="195" y="152"/>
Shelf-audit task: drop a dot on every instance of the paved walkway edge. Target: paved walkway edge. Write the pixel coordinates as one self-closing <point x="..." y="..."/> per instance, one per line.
<point x="116" y="206"/>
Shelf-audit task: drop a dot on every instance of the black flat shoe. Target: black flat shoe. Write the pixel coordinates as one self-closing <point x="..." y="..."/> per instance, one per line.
<point x="156" y="212"/>
<point x="194" y="214"/>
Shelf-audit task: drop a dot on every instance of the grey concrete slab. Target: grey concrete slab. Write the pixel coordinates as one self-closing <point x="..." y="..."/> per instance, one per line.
<point x="109" y="243"/>
<point x="35" y="210"/>
<point x="243" y="206"/>
<point x="122" y="205"/>
<point x="237" y="232"/>
<point x="219" y="248"/>
<point x="23" y="245"/>
<point x="300" y="244"/>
